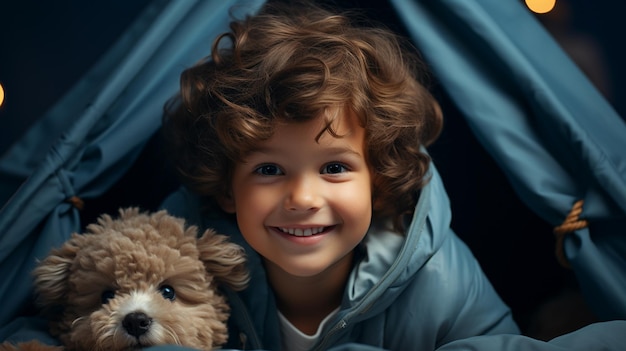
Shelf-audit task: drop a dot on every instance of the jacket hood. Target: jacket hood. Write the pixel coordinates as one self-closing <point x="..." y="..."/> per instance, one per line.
<point x="390" y="260"/>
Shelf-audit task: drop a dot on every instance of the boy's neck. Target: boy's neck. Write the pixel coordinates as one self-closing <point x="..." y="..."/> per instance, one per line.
<point x="306" y="301"/>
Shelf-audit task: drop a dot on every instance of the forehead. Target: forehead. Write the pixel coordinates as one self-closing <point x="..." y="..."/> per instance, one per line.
<point x="335" y="133"/>
<point x="333" y="127"/>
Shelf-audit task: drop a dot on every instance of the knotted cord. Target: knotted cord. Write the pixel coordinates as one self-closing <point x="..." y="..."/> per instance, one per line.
<point x="76" y="202"/>
<point x="571" y="223"/>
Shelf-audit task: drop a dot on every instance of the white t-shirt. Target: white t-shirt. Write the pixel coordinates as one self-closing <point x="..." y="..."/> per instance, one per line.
<point x="295" y="340"/>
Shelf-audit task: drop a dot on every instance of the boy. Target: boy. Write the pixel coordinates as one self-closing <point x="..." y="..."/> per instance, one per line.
<point x="309" y="133"/>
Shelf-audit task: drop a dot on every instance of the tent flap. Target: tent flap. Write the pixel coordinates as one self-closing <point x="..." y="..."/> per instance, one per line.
<point x="555" y="137"/>
<point x="108" y="117"/>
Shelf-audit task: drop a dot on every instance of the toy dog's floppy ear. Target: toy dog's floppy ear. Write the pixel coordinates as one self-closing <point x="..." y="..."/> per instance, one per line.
<point x="52" y="274"/>
<point x="224" y="260"/>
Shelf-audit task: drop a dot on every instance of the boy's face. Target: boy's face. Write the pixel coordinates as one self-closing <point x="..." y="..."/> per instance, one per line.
<point x="304" y="204"/>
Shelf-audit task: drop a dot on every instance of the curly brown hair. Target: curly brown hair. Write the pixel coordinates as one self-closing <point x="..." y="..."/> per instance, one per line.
<point x="293" y="63"/>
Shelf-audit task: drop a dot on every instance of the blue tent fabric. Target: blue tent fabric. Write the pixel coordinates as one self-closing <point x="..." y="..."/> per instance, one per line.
<point x="551" y="132"/>
<point x="107" y="118"/>
<point x="549" y="129"/>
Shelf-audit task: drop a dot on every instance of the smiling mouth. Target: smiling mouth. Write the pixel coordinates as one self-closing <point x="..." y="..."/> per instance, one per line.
<point x="303" y="231"/>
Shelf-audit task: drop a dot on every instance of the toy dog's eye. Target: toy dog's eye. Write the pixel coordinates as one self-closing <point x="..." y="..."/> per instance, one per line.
<point x="106" y="296"/>
<point x="167" y="292"/>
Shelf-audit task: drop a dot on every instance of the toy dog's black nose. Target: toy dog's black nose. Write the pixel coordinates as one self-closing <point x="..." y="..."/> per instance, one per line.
<point x="136" y="323"/>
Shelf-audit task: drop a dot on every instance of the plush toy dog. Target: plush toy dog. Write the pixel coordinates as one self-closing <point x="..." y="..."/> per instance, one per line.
<point x="138" y="281"/>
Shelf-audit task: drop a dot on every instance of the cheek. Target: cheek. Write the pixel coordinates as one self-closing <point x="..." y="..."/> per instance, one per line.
<point x="355" y="201"/>
<point x="361" y="189"/>
<point x="251" y="199"/>
<point x="360" y="211"/>
<point x="252" y="206"/>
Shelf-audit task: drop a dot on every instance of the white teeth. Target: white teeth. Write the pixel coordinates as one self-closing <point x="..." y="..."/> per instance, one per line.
<point x="302" y="232"/>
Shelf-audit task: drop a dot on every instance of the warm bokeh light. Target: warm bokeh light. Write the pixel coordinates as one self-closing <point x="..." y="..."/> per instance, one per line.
<point x="540" y="6"/>
<point x="1" y="94"/>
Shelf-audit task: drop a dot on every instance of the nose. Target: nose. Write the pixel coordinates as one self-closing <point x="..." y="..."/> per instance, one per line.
<point x="304" y="194"/>
<point x="136" y="323"/>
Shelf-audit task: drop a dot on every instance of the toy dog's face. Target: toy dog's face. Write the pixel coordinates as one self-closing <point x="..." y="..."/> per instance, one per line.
<point x="140" y="281"/>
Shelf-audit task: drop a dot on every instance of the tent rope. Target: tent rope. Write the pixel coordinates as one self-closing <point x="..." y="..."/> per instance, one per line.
<point x="571" y="223"/>
<point x="77" y="202"/>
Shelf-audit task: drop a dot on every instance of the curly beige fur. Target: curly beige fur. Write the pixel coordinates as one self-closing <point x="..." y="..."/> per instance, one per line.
<point x="121" y="266"/>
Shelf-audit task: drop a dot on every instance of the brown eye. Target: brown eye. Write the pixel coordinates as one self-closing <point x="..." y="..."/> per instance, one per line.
<point x="269" y="170"/>
<point x="334" y="168"/>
